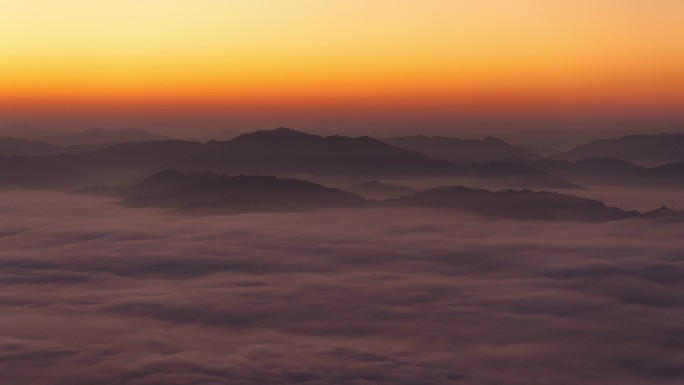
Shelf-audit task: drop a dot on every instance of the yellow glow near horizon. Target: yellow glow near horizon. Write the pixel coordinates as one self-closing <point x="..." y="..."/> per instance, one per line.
<point x="275" y="52"/>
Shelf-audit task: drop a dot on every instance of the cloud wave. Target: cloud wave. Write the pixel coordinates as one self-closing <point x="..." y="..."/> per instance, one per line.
<point x="96" y="293"/>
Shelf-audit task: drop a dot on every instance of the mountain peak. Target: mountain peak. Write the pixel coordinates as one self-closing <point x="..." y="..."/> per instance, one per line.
<point x="280" y="133"/>
<point x="663" y="210"/>
<point x="493" y="140"/>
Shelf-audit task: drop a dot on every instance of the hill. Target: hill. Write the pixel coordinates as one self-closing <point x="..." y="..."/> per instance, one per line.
<point x="216" y="193"/>
<point x="207" y="191"/>
<point x="515" y="204"/>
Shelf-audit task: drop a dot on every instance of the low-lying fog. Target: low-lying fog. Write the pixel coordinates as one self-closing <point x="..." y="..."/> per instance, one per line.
<point x="95" y="293"/>
<point x="643" y="199"/>
<point x="633" y="198"/>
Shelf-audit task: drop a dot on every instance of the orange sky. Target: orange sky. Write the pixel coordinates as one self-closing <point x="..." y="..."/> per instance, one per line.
<point x="325" y="58"/>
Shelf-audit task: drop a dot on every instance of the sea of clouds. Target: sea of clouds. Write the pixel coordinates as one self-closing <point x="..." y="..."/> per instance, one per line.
<point x="94" y="293"/>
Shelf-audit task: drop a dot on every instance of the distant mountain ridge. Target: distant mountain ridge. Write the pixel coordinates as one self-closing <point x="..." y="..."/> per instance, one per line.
<point x="515" y="204"/>
<point x="28" y="132"/>
<point x="15" y="147"/>
<point x="104" y="136"/>
<point x="461" y="150"/>
<point x="612" y="171"/>
<point x="644" y="149"/>
<point x="216" y="193"/>
<point x="26" y="172"/>
<point x="378" y="190"/>
<point x="286" y="153"/>
<point x="24" y="147"/>
<point x="283" y="151"/>
<point x="174" y="189"/>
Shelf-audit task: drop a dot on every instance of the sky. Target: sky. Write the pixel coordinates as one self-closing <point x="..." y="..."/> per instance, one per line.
<point x="373" y="65"/>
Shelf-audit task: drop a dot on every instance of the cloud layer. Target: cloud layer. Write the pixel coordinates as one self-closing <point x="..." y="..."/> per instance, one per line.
<point x="93" y="293"/>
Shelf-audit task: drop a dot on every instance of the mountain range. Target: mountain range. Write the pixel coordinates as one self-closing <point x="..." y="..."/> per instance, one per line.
<point x="515" y="204"/>
<point x="643" y="149"/>
<point x="293" y="154"/>
<point x="186" y="191"/>
<point x="28" y="132"/>
<point x="612" y="171"/>
<point x="462" y="150"/>
<point x="25" y="172"/>
<point x="219" y="193"/>
<point x="18" y="147"/>
<point x="286" y="153"/>
<point x="24" y="147"/>
<point x="103" y="136"/>
<point x="378" y="190"/>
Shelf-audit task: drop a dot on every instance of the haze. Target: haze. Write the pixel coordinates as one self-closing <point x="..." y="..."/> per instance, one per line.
<point x="96" y="294"/>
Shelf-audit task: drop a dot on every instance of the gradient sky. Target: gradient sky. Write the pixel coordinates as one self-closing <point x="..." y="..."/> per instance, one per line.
<point x="383" y="64"/>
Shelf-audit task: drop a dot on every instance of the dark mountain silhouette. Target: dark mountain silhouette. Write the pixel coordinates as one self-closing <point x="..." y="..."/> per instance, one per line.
<point x="219" y="193"/>
<point x="277" y="152"/>
<point x="23" y="147"/>
<point x="643" y="149"/>
<point x="286" y="153"/>
<point x="379" y="190"/>
<point x="158" y="183"/>
<point x="540" y="151"/>
<point x="663" y="211"/>
<point x="666" y="214"/>
<point x="119" y="164"/>
<point x="15" y="147"/>
<point x="168" y="181"/>
<point x="221" y="135"/>
<point x="25" y="172"/>
<point x="173" y="189"/>
<point x="561" y="139"/>
<point x="612" y="171"/>
<point x="126" y="162"/>
<point x="81" y="148"/>
<point x="28" y="132"/>
<point x="674" y="217"/>
<point x="670" y="171"/>
<point x="461" y="150"/>
<point x="525" y="176"/>
<point x="515" y="204"/>
<point x="104" y="136"/>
